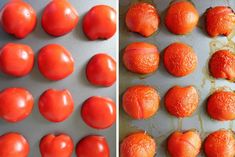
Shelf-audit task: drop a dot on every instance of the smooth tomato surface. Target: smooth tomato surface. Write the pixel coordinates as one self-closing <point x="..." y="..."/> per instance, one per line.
<point x="13" y="145"/>
<point x="15" y="104"/>
<point x="93" y="146"/>
<point x="55" y="62"/>
<point x="56" y="146"/>
<point x="59" y="18"/>
<point x="16" y="59"/>
<point x="18" y="18"/>
<point x="100" y="22"/>
<point x="99" y="112"/>
<point x="56" y="105"/>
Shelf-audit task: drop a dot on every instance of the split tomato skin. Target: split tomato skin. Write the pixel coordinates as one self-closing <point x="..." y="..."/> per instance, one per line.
<point x="56" y="105"/>
<point x="100" y="22"/>
<point x="15" y="104"/>
<point x="13" y="145"/>
<point x="59" y="18"/>
<point x="16" y="59"/>
<point x="93" y="146"/>
<point x="18" y="18"/>
<point x="56" y="146"/>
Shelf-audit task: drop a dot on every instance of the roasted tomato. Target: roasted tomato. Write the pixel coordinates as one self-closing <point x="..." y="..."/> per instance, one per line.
<point x="55" y="62"/>
<point x="138" y="144"/>
<point x="56" y="105"/>
<point x="222" y="65"/>
<point x="179" y="59"/>
<point x="220" y="20"/>
<point x="16" y="59"/>
<point x="56" y="146"/>
<point x="181" y="17"/>
<point x="142" y="18"/>
<point x="181" y="101"/>
<point x="101" y="70"/>
<point x="221" y="105"/>
<point x="141" y="101"/>
<point x="59" y="18"/>
<point x="99" y="112"/>
<point x="93" y="146"/>
<point x="220" y="143"/>
<point x="186" y="144"/>
<point x="100" y="22"/>
<point x="13" y="145"/>
<point x="15" y="104"/>
<point x="18" y="18"/>
<point x="141" y="57"/>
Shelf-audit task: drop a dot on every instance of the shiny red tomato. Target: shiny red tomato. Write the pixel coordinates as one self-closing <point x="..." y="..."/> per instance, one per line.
<point x="59" y="18"/>
<point x="55" y="62"/>
<point x="13" y="145"/>
<point x="99" y="112"/>
<point x="56" y="146"/>
<point x="16" y="59"/>
<point x="18" y="18"/>
<point x="101" y="70"/>
<point x="15" y="104"/>
<point x="100" y="22"/>
<point x="93" y="146"/>
<point x="56" y="105"/>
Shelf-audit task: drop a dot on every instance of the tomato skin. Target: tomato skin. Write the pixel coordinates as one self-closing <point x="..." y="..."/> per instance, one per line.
<point x="56" y="146"/>
<point x="18" y="18"/>
<point x="59" y="18"/>
<point x="15" y="104"/>
<point x="55" y="62"/>
<point x="16" y="59"/>
<point x="100" y="22"/>
<point x="101" y="65"/>
<point x="93" y="146"/>
<point x="56" y="105"/>
<point x="99" y="112"/>
<point x="13" y="145"/>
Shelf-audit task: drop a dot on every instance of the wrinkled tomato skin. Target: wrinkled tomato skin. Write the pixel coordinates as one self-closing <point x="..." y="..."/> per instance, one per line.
<point x="15" y="104"/>
<point x="18" y="18"/>
<point x="100" y="22"/>
<point x="13" y="145"/>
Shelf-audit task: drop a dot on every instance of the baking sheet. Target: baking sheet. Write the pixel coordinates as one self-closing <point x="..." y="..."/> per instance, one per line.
<point x="35" y="126"/>
<point x="162" y="124"/>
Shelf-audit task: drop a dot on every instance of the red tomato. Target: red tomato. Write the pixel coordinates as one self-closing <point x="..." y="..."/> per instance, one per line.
<point x="18" y="18"/>
<point x="56" y="146"/>
<point x="15" y="104"/>
<point x="13" y="145"/>
<point x="16" y="59"/>
<point x="93" y="146"/>
<point x="56" y="105"/>
<point x="59" y="18"/>
<point x="55" y="62"/>
<point x="99" y="112"/>
<point x="101" y="70"/>
<point x="100" y="22"/>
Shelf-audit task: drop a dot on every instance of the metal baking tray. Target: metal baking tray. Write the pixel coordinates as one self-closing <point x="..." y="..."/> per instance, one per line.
<point x="35" y="126"/>
<point x="163" y="124"/>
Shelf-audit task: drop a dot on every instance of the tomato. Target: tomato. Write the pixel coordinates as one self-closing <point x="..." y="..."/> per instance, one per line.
<point x="13" y="145"/>
<point x="59" y="18"/>
<point x="101" y="70"/>
<point x="56" y="146"/>
<point x="93" y="146"/>
<point x="100" y="22"/>
<point x="99" y="112"/>
<point x="55" y="62"/>
<point x="56" y="105"/>
<point x="15" y="104"/>
<point x="16" y="59"/>
<point x="18" y="18"/>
